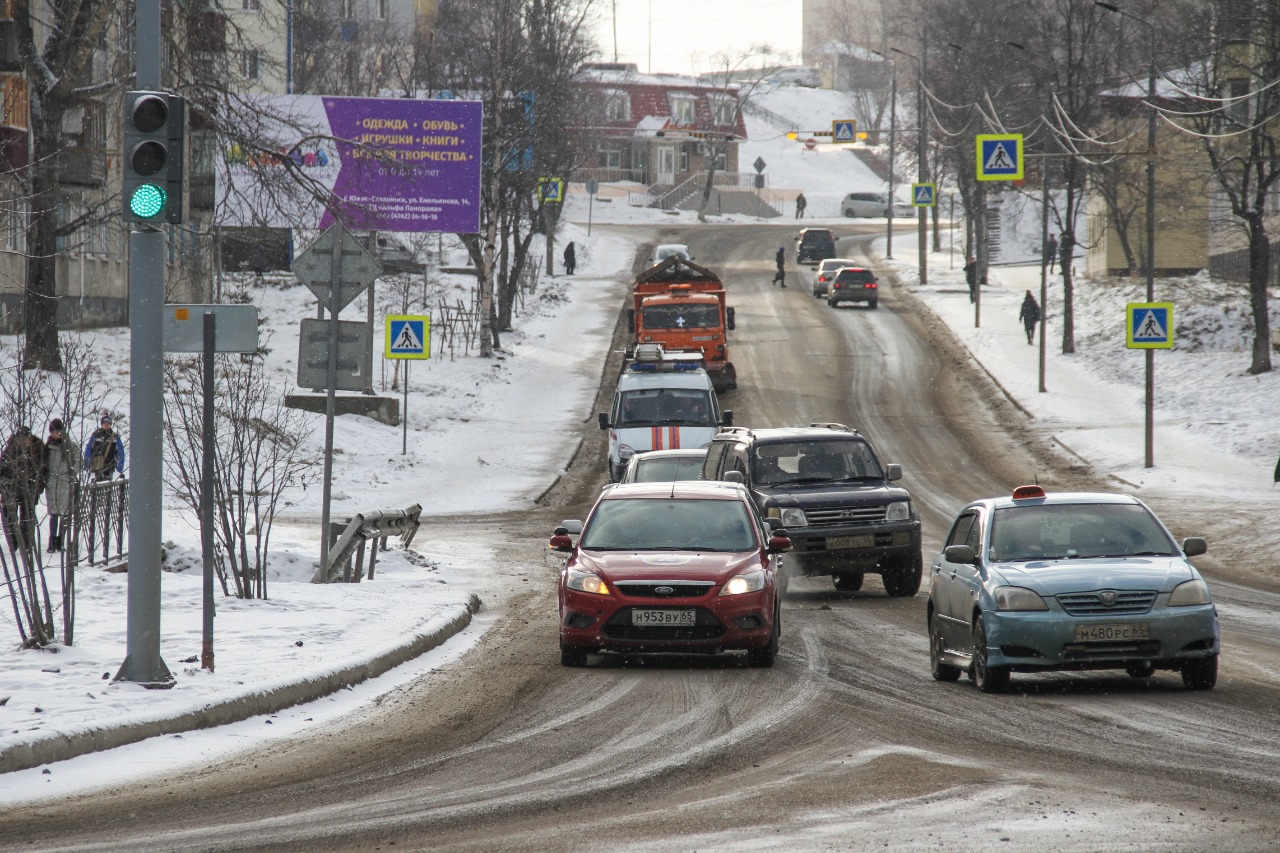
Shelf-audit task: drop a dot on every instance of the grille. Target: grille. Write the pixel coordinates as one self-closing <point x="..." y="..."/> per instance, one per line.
<point x="679" y="589"/>
<point x="1090" y="603"/>
<point x="845" y="515"/>
<point x="1111" y="651"/>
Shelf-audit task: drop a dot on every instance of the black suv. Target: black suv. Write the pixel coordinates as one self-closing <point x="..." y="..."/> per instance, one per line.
<point x="853" y="284"/>
<point x="825" y="485"/>
<point x="815" y="244"/>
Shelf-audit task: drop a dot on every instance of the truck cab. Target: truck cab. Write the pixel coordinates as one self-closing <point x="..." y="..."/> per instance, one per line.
<point x="682" y="306"/>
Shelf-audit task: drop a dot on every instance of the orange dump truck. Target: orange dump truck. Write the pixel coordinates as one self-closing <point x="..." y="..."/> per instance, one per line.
<point x="681" y="305"/>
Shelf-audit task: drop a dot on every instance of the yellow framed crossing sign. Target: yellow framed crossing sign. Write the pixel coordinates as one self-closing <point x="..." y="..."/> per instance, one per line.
<point x="408" y="336"/>
<point x="1149" y="325"/>
<point x="999" y="156"/>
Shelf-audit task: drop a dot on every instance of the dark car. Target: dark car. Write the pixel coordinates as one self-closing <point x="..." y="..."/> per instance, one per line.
<point x="854" y="284"/>
<point x="839" y="505"/>
<point x="670" y="567"/>
<point x="815" y="244"/>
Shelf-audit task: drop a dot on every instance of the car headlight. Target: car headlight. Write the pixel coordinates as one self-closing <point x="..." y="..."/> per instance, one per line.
<point x="789" y="516"/>
<point x="749" y="582"/>
<point x="1188" y="593"/>
<point x="586" y="582"/>
<point x="1018" y="598"/>
<point x="898" y="511"/>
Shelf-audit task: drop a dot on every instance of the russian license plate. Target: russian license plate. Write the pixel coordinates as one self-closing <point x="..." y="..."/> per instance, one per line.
<point x="664" y="617"/>
<point x="1112" y="633"/>
<point x="850" y="542"/>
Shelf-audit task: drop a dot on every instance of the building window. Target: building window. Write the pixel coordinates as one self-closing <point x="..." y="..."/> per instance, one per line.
<point x="384" y="9"/>
<point x="684" y="109"/>
<point x="617" y="107"/>
<point x="250" y="62"/>
<point x="348" y="8"/>
<point x="1237" y="106"/>
<point x="609" y="157"/>
<point x="684" y="160"/>
<point x="249" y="5"/>
<point x="724" y="109"/>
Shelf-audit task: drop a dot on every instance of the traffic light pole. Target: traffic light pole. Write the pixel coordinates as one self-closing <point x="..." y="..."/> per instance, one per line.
<point x="142" y="663"/>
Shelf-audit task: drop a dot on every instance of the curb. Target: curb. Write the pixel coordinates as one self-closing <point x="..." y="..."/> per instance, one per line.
<point x="61" y="746"/>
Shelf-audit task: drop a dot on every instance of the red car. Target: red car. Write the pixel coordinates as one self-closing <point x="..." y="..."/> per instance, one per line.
<point x="680" y="567"/>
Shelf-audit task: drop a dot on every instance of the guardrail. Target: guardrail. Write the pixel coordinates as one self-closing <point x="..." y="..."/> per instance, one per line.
<point x="376" y="526"/>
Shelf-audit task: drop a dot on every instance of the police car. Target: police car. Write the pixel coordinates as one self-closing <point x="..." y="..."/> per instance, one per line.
<point x="664" y="401"/>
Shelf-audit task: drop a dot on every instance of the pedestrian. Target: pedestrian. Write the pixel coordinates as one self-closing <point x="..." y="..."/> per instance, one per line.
<point x="780" y="277"/>
<point x="1030" y="315"/>
<point x="570" y="259"/>
<point x="971" y="277"/>
<point x="60" y="475"/>
<point x="21" y="482"/>
<point x="104" y="451"/>
<point x="1051" y="252"/>
<point x="801" y="204"/>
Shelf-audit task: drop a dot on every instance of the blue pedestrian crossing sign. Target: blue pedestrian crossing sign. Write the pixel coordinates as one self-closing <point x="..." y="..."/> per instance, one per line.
<point x="408" y="336"/>
<point x="999" y="156"/>
<point x="551" y="189"/>
<point x="844" y="130"/>
<point x="924" y="195"/>
<point x="1150" y="325"/>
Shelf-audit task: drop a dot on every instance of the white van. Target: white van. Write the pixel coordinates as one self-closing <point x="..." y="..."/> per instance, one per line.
<point x="874" y="205"/>
<point x="664" y="401"/>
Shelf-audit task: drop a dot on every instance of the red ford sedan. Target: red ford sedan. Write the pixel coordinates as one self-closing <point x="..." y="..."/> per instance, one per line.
<point x="681" y="567"/>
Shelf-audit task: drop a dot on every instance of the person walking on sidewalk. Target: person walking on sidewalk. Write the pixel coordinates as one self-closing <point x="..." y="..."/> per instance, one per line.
<point x="104" y="452"/>
<point x="1030" y="315"/>
<point x="780" y="277"/>
<point x="1051" y="253"/>
<point x="801" y="204"/>
<point x="570" y="259"/>
<point x="62" y="469"/>
<point x="971" y="276"/>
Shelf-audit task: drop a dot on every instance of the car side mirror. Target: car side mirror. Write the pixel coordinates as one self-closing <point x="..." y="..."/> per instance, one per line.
<point x="779" y="542"/>
<point x="893" y="471"/>
<point x="726" y="417"/>
<point x="561" y="542"/>
<point x="1194" y="546"/>
<point x="963" y="554"/>
<point x="604" y="420"/>
<point x="733" y="477"/>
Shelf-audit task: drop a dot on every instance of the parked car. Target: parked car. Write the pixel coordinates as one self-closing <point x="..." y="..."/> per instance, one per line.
<point x="826" y="271"/>
<point x="873" y="205"/>
<point x="664" y="466"/>
<point x="665" y="250"/>
<point x="670" y="567"/>
<point x="854" y="284"/>
<point x="1038" y="581"/>
<point x="814" y="245"/>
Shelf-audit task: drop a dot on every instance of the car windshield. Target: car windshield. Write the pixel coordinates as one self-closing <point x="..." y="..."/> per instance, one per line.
<point x="665" y="469"/>
<point x="789" y="463"/>
<point x="682" y="316"/>
<point x="668" y="524"/>
<point x="1072" y="531"/>
<point x="665" y="407"/>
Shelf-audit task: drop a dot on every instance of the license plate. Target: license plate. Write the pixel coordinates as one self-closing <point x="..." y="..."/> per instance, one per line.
<point x="664" y="617"/>
<point x="1112" y="633"/>
<point x="850" y="542"/>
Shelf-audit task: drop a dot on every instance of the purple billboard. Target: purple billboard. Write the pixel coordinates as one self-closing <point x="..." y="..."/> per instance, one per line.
<point x="385" y="164"/>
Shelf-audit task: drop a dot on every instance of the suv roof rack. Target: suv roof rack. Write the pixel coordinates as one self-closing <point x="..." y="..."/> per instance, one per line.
<point x="736" y="430"/>
<point x="835" y="426"/>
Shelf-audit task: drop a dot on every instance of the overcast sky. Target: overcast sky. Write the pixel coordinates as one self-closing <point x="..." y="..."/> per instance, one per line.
<point x="682" y="36"/>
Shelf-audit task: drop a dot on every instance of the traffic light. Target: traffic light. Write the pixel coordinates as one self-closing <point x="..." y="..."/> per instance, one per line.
<point x="155" y="129"/>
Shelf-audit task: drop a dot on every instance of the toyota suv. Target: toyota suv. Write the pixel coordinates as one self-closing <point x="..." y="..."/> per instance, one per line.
<point x="815" y="244"/>
<point x="838" y="504"/>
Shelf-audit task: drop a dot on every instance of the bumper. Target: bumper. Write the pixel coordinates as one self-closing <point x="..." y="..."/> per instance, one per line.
<point x="1032" y="642"/>
<point x="604" y="623"/>
<point x="824" y="552"/>
<point x="842" y="295"/>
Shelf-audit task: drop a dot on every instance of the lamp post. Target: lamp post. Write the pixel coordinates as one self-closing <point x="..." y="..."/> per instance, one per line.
<point x="923" y="172"/>
<point x="1151" y="214"/>
<point x="893" y="135"/>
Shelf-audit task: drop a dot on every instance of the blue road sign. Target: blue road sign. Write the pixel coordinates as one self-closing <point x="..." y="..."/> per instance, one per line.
<point x="844" y="130"/>
<point x="999" y="156"/>
<point x="1150" y="325"/>
<point x="408" y="336"/>
<point x="551" y="189"/>
<point x="923" y="195"/>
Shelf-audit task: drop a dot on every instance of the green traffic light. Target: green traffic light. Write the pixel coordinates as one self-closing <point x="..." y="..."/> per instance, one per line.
<point x="147" y="201"/>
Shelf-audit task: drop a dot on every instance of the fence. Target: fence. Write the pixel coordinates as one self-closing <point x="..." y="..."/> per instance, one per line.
<point x="376" y="526"/>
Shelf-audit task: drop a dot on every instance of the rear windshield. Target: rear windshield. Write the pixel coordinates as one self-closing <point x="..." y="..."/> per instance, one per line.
<point x="665" y="469"/>
<point x="816" y="237"/>
<point x="856" y="276"/>
<point x="666" y="524"/>
<point x="681" y="317"/>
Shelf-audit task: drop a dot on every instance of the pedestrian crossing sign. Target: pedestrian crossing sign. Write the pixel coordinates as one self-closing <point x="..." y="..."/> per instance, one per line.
<point x="408" y="336"/>
<point x="1150" y="325"/>
<point x="999" y="156"/>
<point x="551" y="189"/>
<point x="844" y="130"/>
<point x="924" y="195"/>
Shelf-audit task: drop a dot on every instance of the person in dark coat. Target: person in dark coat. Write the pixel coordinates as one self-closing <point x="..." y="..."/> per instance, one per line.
<point x="21" y="482"/>
<point x="62" y="469"/>
<point x="780" y="277"/>
<point x="1030" y="315"/>
<point x="1065" y="247"/>
<point x="570" y="259"/>
<point x="971" y="277"/>
<point x="104" y="451"/>
<point x="801" y="204"/>
<point x="1051" y="252"/>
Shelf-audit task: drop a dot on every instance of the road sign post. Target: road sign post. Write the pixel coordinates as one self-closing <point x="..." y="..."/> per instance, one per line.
<point x="408" y="337"/>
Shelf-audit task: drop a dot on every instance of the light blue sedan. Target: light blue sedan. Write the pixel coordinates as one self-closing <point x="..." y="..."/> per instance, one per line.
<point x="1038" y="582"/>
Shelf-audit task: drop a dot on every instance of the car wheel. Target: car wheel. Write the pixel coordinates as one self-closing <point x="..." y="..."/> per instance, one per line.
<point x="942" y="671"/>
<point x="1141" y="670"/>
<point x="872" y="304"/>
<point x="988" y="679"/>
<point x="1201" y="674"/>
<point x="848" y="213"/>
<point x="902" y="575"/>
<point x="764" y="656"/>
<point x="847" y="581"/>
<point x="572" y="656"/>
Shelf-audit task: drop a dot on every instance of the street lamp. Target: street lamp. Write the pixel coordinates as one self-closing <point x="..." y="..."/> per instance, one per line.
<point x="893" y="134"/>
<point x="1151" y="212"/>
<point x="922" y="128"/>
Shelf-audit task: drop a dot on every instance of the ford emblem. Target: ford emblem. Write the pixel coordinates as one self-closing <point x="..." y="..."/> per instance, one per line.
<point x="667" y="590"/>
<point x="1108" y="598"/>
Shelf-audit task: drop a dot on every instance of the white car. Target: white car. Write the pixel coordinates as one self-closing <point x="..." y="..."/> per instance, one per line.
<point x="826" y="271"/>
<point x="874" y="205"/>
<point x="665" y="250"/>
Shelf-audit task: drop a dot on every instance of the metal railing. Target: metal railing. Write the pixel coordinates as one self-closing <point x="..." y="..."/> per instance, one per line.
<point x="98" y="523"/>
<point x="376" y="526"/>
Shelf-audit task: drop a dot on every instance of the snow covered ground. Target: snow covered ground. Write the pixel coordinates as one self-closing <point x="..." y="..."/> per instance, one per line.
<point x="1215" y="435"/>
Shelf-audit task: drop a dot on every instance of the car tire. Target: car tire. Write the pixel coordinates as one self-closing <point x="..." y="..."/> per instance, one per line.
<point x="572" y="655"/>
<point x="1141" y="670"/>
<point x="901" y="576"/>
<point x="847" y="581"/>
<point x="872" y="304"/>
<point x="848" y="213"/>
<point x="988" y="679"/>
<point x="942" y="671"/>
<point x="763" y="657"/>
<point x="831" y="303"/>
<point x="1201" y="674"/>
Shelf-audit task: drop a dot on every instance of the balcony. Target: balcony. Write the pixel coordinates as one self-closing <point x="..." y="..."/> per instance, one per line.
<point x="84" y="167"/>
